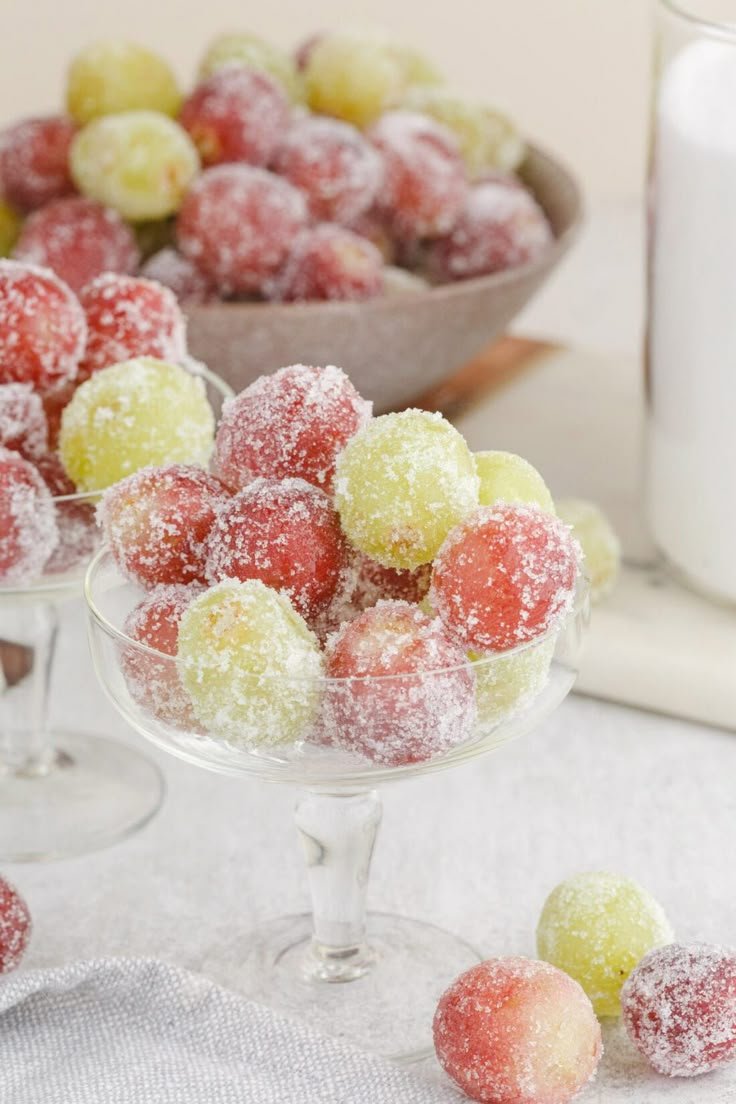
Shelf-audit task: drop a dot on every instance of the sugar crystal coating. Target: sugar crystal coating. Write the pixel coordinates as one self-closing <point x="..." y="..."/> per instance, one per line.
<point x="234" y="49"/>
<point x="249" y="664"/>
<point x="42" y="327"/>
<point x="157" y="521"/>
<point x="174" y="271"/>
<point x="402" y="483"/>
<point x="352" y="77"/>
<point x="28" y="532"/>
<point x="517" y="1031"/>
<point x="128" y="316"/>
<point x="409" y="690"/>
<point x="504" y="576"/>
<point x="510" y="478"/>
<point x="140" y="412"/>
<point x="237" y="224"/>
<point x="597" y="927"/>
<point x="153" y="681"/>
<point x="23" y="426"/>
<point x="34" y="161"/>
<point x="291" y="423"/>
<point x="79" y="239"/>
<point x="363" y="583"/>
<point x="598" y="540"/>
<point x="15" y="927"/>
<point x="284" y="532"/>
<point x="507" y="684"/>
<point x="140" y="163"/>
<point x="109" y="77"/>
<point x="679" y="1008"/>
<point x="329" y="262"/>
<point x="331" y="162"/>
<point x="75" y="518"/>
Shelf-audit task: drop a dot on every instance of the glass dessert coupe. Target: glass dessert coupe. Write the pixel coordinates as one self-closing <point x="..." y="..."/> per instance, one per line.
<point x="374" y="979"/>
<point x="63" y="793"/>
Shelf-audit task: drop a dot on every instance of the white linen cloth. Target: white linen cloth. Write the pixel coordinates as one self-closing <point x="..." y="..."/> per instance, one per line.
<point x="138" y="1031"/>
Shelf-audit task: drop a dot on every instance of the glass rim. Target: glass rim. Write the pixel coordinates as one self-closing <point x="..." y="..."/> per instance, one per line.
<point x="571" y="614"/>
<point x="684" y="11"/>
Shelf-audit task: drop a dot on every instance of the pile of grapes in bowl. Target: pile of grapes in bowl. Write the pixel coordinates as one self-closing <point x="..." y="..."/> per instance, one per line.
<point x="340" y="204"/>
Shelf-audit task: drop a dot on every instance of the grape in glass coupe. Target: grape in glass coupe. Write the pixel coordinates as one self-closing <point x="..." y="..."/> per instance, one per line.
<point x="392" y="969"/>
<point x="63" y="793"/>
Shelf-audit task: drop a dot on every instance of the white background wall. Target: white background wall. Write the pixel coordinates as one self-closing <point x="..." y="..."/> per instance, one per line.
<point x="573" y="72"/>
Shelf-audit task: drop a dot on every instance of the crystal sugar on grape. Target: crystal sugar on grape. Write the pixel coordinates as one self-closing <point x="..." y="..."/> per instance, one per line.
<point x="176" y="272"/>
<point x="28" y="531"/>
<point x="15" y="927"/>
<point x="23" y="425"/>
<point x="34" y="161"/>
<point x="330" y="262"/>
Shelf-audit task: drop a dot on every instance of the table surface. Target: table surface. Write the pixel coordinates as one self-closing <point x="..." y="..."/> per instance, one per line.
<point x="596" y="786"/>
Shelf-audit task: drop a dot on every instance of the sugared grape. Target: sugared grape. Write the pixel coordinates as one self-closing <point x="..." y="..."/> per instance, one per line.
<point x="506" y="477"/>
<point x="157" y="521"/>
<point x="372" y="224"/>
<point x="487" y="139"/>
<point x="337" y="170"/>
<point x="423" y="710"/>
<point x="28" y="532"/>
<point x="499" y="227"/>
<point x="352" y="77"/>
<point x="110" y="77"/>
<point x="284" y="532"/>
<point x="75" y="518"/>
<point x="402" y="483"/>
<point x="236" y="115"/>
<point x="154" y="683"/>
<point x="34" y="161"/>
<point x="679" y="1008"/>
<point x="417" y="68"/>
<point x="23" y="426"/>
<point x="15" y="927"/>
<point x="291" y="423"/>
<point x="42" y="327"/>
<point x="246" y="659"/>
<point x="174" y="271"/>
<point x="252" y="52"/>
<point x="237" y="224"/>
<point x="597" y="927"/>
<point x="140" y="412"/>
<point x="424" y="185"/>
<point x="363" y="583"/>
<point x="598" y="540"/>
<point x="516" y="1031"/>
<point x="10" y="224"/>
<point x="329" y="262"/>
<point x="79" y="239"/>
<point x="140" y="163"/>
<point x="506" y="684"/>
<point x="504" y="576"/>
<point x="130" y="317"/>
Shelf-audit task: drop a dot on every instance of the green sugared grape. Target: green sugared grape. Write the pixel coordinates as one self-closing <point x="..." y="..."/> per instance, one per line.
<point x="402" y="483"/>
<point x="143" y="411"/>
<point x="255" y="53"/>
<point x="138" y="162"/>
<point x="506" y="684"/>
<point x="597" y="927"/>
<point x="417" y="69"/>
<point x="239" y="645"/>
<point x="487" y="139"/>
<point x="598" y="540"/>
<point x="353" y="77"/>
<point x="10" y="224"/>
<point x="108" y="77"/>
<point x="509" y="478"/>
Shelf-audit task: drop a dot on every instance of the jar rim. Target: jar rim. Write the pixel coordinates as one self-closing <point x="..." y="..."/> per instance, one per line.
<point x="686" y="11"/>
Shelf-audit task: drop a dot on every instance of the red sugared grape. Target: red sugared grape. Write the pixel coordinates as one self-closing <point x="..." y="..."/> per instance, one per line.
<point x="157" y="521"/>
<point x="424" y="184"/>
<point x="364" y="583"/>
<point x="28" y="532"/>
<point x="237" y="224"/>
<point x="373" y="225"/>
<point x="75" y="519"/>
<point x="679" y="1008"/>
<point x="504" y="576"/>
<point x="500" y="226"/>
<point x="79" y="239"/>
<point x="426" y="708"/>
<point x="291" y="423"/>
<point x="516" y="1031"/>
<point x="23" y="426"/>
<point x="174" y="271"/>
<point x="330" y="262"/>
<point x="34" y="162"/>
<point x="154" y="683"/>
<point x="53" y="405"/>
<point x="335" y="167"/>
<point x="237" y="114"/>
<point x="15" y="927"/>
<point x="42" y="327"/>
<point x="127" y="317"/>
<point x="285" y="533"/>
